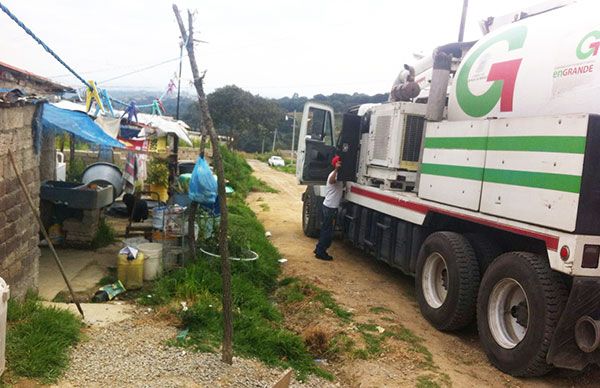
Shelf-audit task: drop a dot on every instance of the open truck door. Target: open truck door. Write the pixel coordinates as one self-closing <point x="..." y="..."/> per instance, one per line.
<point x="315" y="144"/>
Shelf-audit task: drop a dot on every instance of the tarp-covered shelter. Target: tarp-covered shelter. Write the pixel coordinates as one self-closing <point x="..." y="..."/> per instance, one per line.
<point x="77" y="123"/>
<point x="161" y="125"/>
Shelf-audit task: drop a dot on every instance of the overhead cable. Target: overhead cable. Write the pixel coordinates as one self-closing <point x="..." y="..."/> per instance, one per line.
<point x="48" y="49"/>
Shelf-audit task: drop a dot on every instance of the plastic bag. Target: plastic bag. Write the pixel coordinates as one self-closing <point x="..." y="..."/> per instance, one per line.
<point x="203" y="185"/>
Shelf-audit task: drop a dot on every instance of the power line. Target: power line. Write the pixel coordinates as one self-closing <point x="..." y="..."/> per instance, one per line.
<point x="48" y="49"/>
<point x="140" y="70"/>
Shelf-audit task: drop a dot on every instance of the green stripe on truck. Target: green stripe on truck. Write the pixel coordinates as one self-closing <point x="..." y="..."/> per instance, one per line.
<point x="540" y="180"/>
<point x="562" y="144"/>
<point x="473" y="173"/>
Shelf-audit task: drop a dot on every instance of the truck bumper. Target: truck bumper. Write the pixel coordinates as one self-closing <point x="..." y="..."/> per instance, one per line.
<point x="584" y="299"/>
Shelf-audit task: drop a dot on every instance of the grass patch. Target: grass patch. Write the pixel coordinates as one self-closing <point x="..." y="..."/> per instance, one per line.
<point x="38" y="339"/>
<point x="380" y="310"/>
<point x="416" y="344"/>
<point x="426" y="382"/>
<point x="104" y="236"/>
<point x="239" y="174"/>
<point x="110" y="278"/>
<point x="264" y="207"/>
<point x="288" y="168"/>
<point x="259" y="330"/>
<point x="295" y="290"/>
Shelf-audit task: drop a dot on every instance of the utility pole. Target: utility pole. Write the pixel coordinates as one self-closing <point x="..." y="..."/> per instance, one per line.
<point x="262" y="150"/>
<point x="274" y="139"/>
<point x="179" y="79"/>
<point x="463" y="18"/>
<point x="293" y="133"/>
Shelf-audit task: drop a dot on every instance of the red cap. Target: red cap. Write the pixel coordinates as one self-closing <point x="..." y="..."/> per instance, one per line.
<point x="335" y="160"/>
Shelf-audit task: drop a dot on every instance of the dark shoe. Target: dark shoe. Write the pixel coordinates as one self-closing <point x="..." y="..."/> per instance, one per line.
<point x="325" y="257"/>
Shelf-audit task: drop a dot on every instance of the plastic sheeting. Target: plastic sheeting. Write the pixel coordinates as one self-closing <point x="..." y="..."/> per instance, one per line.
<point x="160" y="125"/>
<point x="164" y="125"/>
<point x="77" y="123"/>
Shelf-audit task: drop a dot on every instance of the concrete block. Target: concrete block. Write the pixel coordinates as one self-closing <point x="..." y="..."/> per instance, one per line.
<point x="14" y="117"/>
<point x="14" y="213"/>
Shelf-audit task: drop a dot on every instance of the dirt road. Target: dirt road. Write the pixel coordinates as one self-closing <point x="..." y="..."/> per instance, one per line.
<point x="360" y="283"/>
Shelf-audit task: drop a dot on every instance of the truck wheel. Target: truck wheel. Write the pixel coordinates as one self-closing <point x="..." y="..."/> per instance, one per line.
<point x="518" y="307"/>
<point x="447" y="278"/>
<point x="486" y="250"/>
<point x="310" y="207"/>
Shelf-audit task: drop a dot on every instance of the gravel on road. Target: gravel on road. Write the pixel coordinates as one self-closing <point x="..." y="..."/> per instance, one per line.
<point x="134" y="353"/>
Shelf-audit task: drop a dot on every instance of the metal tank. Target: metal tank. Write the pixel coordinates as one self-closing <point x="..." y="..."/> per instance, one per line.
<point x="544" y="65"/>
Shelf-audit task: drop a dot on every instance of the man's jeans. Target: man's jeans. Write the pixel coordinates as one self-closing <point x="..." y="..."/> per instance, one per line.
<point x="326" y="235"/>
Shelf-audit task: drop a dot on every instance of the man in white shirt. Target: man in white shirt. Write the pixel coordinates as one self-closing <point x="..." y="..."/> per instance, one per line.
<point x="333" y="196"/>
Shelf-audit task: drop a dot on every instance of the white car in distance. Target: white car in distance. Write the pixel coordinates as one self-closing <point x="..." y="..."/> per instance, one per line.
<point x="276" y="161"/>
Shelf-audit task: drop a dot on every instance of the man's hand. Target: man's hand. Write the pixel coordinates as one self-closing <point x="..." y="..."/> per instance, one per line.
<point x="333" y="177"/>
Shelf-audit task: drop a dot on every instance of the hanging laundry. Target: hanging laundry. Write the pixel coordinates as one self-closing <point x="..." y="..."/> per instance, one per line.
<point x="157" y="108"/>
<point x="129" y="175"/>
<point x="92" y="95"/>
<point x="110" y="125"/>
<point x="142" y="171"/>
<point x="131" y="111"/>
<point x="171" y="87"/>
<point x="106" y="102"/>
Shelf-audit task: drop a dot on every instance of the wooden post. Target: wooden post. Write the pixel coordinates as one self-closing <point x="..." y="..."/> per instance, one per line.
<point x="227" y="355"/>
<point x="71" y="150"/>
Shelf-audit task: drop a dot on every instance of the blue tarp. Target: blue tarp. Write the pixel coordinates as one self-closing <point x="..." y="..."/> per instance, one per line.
<point x="77" y="123"/>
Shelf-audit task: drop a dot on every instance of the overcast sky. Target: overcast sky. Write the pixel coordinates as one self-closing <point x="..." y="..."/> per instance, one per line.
<point x="270" y="47"/>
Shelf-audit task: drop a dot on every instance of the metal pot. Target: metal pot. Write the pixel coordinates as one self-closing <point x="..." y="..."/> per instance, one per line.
<point x="104" y="174"/>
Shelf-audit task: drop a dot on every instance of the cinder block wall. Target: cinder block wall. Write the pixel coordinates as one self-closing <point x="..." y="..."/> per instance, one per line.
<point x="19" y="252"/>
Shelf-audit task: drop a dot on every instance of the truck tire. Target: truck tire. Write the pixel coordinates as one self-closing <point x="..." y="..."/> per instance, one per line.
<point x="524" y="285"/>
<point x="447" y="279"/>
<point x="486" y="250"/>
<point x="310" y="217"/>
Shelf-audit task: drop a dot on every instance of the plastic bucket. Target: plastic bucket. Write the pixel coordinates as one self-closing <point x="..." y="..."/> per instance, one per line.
<point x="4" y="295"/>
<point x="153" y="262"/>
<point x="158" y="214"/>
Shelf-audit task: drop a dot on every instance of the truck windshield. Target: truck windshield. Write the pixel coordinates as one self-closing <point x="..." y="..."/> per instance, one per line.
<point x="319" y="125"/>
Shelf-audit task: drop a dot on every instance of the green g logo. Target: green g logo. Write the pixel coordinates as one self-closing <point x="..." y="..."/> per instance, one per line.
<point x="592" y="47"/>
<point x="503" y="76"/>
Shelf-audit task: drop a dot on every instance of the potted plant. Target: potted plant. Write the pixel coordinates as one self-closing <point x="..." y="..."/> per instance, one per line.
<point x="158" y="178"/>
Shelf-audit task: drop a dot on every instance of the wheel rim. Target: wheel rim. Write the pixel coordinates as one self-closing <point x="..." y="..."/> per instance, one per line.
<point x="508" y="313"/>
<point x="435" y="280"/>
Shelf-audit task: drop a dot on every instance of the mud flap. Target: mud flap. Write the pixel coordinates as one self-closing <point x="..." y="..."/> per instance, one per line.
<point x="584" y="299"/>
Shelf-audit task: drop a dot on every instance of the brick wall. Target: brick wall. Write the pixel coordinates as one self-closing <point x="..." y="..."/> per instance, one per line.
<point x="19" y="252"/>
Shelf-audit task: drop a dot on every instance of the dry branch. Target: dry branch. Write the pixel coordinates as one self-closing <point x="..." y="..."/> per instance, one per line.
<point x="188" y="36"/>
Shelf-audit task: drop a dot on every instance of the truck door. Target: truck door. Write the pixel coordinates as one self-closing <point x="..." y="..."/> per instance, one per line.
<point x="315" y="144"/>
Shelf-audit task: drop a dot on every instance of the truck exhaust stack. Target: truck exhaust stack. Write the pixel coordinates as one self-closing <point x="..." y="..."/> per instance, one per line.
<point x="439" y="86"/>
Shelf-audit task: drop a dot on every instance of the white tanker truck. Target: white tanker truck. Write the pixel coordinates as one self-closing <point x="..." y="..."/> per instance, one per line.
<point x="487" y="191"/>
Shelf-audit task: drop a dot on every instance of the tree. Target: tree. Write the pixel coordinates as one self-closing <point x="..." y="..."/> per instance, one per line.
<point x="244" y="117"/>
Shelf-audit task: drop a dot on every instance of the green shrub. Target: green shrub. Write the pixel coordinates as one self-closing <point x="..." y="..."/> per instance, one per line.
<point x="158" y="172"/>
<point x="75" y="170"/>
<point x="104" y="236"/>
